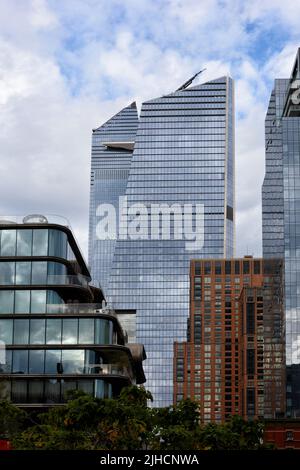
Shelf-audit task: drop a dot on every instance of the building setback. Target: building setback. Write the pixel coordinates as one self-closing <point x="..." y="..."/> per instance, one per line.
<point x="54" y="333"/>
<point x="183" y="154"/>
<point x="281" y="212"/>
<point x="233" y="361"/>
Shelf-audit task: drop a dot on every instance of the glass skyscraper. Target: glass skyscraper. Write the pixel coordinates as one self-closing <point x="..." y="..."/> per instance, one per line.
<point x="281" y="212"/>
<point x="112" y="146"/>
<point x="184" y="155"/>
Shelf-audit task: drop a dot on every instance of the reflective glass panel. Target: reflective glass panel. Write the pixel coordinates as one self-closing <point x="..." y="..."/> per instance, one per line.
<point x="57" y="243"/>
<point x="104" y="331"/>
<point x="24" y="242"/>
<point x="52" y="391"/>
<point x="102" y="389"/>
<point x="86" y="331"/>
<point x="5" y="390"/>
<point x="21" y="331"/>
<point x="20" y="362"/>
<point x="35" y="391"/>
<point x="40" y="242"/>
<point x="70" y="331"/>
<point x="66" y="386"/>
<point x="6" y="328"/>
<point x="37" y="331"/>
<point x="36" y="362"/>
<point x="86" y="386"/>
<point x="6" y="361"/>
<point x="53" y="331"/>
<point x="39" y="272"/>
<point x="53" y="357"/>
<point x="8" y="242"/>
<point x="23" y="272"/>
<point x="22" y="301"/>
<point x="19" y="391"/>
<point x="73" y="361"/>
<point x="38" y="301"/>
<point x="7" y="273"/>
<point x="56" y="269"/>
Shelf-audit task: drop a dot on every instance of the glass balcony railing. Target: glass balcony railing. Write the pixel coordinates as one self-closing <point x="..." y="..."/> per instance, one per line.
<point x="107" y="369"/>
<point x="53" y="279"/>
<point x="80" y="308"/>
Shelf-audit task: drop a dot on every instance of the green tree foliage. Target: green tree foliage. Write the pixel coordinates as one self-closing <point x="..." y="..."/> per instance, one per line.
<point x="126" y="423"/>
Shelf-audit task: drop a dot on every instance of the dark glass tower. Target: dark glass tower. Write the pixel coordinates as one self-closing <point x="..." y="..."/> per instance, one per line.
<point x="55" y="336"/>
<point x="183" y="154"/>
<point x="281" y="212"/>
<point x="112" y="147"/>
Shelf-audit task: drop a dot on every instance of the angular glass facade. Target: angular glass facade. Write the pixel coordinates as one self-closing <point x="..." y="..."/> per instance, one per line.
<point x="183" y="154"/>
<point x="112" y="145"/>
<point x="281" y="213"/>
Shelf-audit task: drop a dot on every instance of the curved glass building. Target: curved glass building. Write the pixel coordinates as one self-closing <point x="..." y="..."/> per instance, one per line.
<point x="55" y="336"/>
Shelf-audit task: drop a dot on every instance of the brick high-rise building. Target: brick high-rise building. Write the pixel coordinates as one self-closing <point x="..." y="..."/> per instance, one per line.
<point x="233" y="360"/>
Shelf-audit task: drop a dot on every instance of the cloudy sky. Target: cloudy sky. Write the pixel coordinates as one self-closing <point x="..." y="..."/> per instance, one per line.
<point x="68" y="65"/>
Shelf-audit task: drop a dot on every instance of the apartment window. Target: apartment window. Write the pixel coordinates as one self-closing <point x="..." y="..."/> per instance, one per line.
<point x="237" y="267"/>
<point x="207" y="267"/>
<point x="250" y="361"/>
<point x="256" y="267"/>
<point x="250" y="318"/>
<point x="218" y="268"/>
<point x="246" y="267"/>
<point x="227" y="268"/>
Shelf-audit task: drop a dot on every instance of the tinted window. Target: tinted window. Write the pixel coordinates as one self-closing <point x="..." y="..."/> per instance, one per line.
<point x="23" y="272"/>
<point x="8" y="242"/>
<point x="57" y="243"/>
<point x="37" y="331"/>
<point x="7" y="273"/>
<point x="53" y="357"/>
<point x="22" y="301"/>
<point x="21" y="331"/>
<point x="86" y="331"/>
<point x="6" y="301"/>
<point x="24" y="242"/>
<point x="72" y="361"/>
<point x="20" y="362"/>
<point x="40" y="242"/>
<point x="36" y="362"/>
<point x="6" y="328"/>
<point x="38" y="301"/>
<point x="70" y="331"/>
<point x="104" y="332"/>
<point x="39" y="272"/>
<point x="53" y="331"/>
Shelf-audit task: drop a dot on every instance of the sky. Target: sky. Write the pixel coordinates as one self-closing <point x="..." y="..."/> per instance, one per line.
<point x="66" y="66"/>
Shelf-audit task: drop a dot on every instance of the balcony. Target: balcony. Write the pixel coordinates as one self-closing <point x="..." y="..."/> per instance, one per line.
<point x="53" y="279"/>
<point x="80" y="309"/>
<point x="108" y="369"/>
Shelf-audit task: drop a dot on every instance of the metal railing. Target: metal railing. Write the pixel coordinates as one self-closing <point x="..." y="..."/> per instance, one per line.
<point x="79" y="308"/>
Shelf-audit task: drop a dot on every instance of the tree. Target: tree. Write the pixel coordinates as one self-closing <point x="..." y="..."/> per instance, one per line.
<point x="12" y="420"/>
<point x="127" y="423"/>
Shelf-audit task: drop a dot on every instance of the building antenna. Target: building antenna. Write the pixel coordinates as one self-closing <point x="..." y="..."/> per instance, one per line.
<point x="188" y="82"/>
